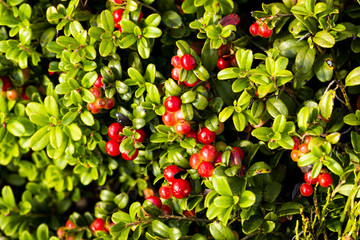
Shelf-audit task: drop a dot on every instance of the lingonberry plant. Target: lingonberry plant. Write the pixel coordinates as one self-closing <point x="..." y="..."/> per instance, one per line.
<point x="168" y="119"/>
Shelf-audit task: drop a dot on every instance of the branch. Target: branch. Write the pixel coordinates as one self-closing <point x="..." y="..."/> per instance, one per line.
<point x="186" y="218"/>
<point x="139" y="222"/>
<point x="147" y="6"/>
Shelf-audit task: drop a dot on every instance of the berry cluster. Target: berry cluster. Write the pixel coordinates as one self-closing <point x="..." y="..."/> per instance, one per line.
<point x="165" y="209"/>
<point x="324" y="179"/>
<point x="177" y="187"/>
<point x="12" y="93"/>
<point x="68" y="231"/>
<point x="100" y="102"/>
<point x="112" y="146"/>
<point x="299" y="149"/>
<point x="260" y="28"/>
<point x="187" y="62"/>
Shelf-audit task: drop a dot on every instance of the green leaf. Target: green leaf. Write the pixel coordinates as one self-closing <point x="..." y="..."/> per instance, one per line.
<point x="239" y="120"/>
<point x="221" y="232"/>
<point x="272" y="190"/>
<point x="262" y="133"/>
<point x="40" y="139"/>
<point x="87" y="118"/>
<point x="223" y="201"/>
<point x="222" y="186"/>
<point x="276" y="106"/>
<point x="247" y="199"/>
<point x="226" y="113"/>
<point x="8" y="196"/>
<point x="89" y="79"/>
<point x="324" y="39"/>
<point x="252" y="224"/>
<point x="42" y="232"/>
<point x="306" y="160"/>
<point x="106" y="48"/>
<point x="56" y="137"/>
<point x="75" y="132"/>
<point x="228" y="73"/>
<point x="326" y="104"/>
<point x="303" y="118"/>
<point x="333" y="165"/>
<point x="305" y="59"/>
<point x="152" y="32"/>
<point x="51" y="106"/>
<point x="353" y="78"/>
<point x="107" y="20"/>
<point x="258" y="168"/>
<point x="288" y="208"/>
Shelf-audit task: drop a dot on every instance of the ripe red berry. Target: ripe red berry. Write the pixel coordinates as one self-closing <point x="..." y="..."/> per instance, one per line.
<point x="127" y="157"/>
<point x="306" y="190"/>
<point x="169" y="119"/>
<point x="175" y="73"/>
<point x="325" y="179"/>
<point x="6" y="83"/>
<point x="208" y="153"/>
<point x="156" y="201"/>
<point x="117" y="14"/>
<point x="191" y="85"/>
<point x="188" y="62"/>
<point x="182" y="128"/>
<point x="112" y="148"/>
<point x="179" y="116"/>
<point x="96" y="92"/>
<point x="24" y="96"/>
<point x="166" y="210"/>
<point x="205" y="169"/>
<point x="114" y="131"/>
<point x="61" y="232"/>
<point x="170" y="171"/>
<point x="98" y="83"/>
<point x="296" y="143"/>
<point x="69" y="225"/>
<point x="180" y="188"/>
<point x="222" y="63"/>
<point x="309" y="179"/>
<point x="110" y="103"/>
<point x="165" y="192"/>
<point x="195" y="160"/>
<point x="264" y="31"/>
<point x="176" y="62"/>
<point x="172" y="103"/>
<point x="140" y="135"/>
<point x="295" y="154"/>
<point x="12" y="94"/>
<point x="97" y="225"/>
<point x="93" y="108"/>
<point x="307" y="140"/>
<point x="205" y="136"/>
<point x="254" y="29"/>
<point x="304" y="148"/>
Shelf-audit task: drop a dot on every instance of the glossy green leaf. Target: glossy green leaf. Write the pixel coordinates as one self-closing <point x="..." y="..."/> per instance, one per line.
<point x="326" y="104"/>
<point x="324" y="39"/>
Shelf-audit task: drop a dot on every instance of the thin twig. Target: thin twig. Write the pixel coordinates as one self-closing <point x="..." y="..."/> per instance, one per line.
<point x="147" y="6"/>
<point x="186" y="218"/>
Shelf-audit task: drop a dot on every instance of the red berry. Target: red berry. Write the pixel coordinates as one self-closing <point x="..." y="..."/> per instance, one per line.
<point x="92" y="107"/>
<point x="296" y="143"/>
<point x="325" y="179"/>
<point x="309" y="179"/>
<point x="295" y="154"/>
<point x="12" y="94"/>
<point x="100" y="103"/>
<point x="218" y="158"/>
<point x="165" y="192"/>
<point x="169" y="119"/>
<point x="166" y="209"/>
<point x="254" y="29"/>
<point x="188" y="62"/>
<point x="140" y="16"/>
<point x="205" y="169"/>
<point x="222" y="63"/>
<point x="195" y="160"/>
<point x="141" y="135"/>
<point x="264" y="31"/>
<point x="98" y="83"/>
<point x="237" y="149"/>
<point x="189" y="213"/>
<point x="107" y="227"/>
<point x="179" y="116"/>
<point x="110" y="103"/>
<point x="127" y="157"/>
<point x="6" y="83"/>
<point x="182" y="128"/>
<point x="24" y="96"/>
<point x="61" y="232"/>
<point x="112" y="148"/>
<point x="175" y="61"/>
<point x="304" y="148"/>
<point x="156" y="201"/>
<point x="114" y="131"/>
<point x="172" y="103"/>
<point x="306" y="190"/>
<point x="192" y="134"/>
<point x="307" y="140"/>
<point x="205" y="136"/>
<point x="118" y="1"/>
<point x="170" y="171"/>
<point x="191" y="85"/>
<point x="69" y="225"/>
<point x="175" y="73"/>
<point x="117" y="14"/>
<point x="208" y="153"/>
<point x="97" y="225"/>
<point x="96" y="92"/>
<point x="180" y="188"/>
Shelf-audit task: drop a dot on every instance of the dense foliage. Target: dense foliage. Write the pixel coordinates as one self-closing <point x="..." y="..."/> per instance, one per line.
<point x="194" y="119"/>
